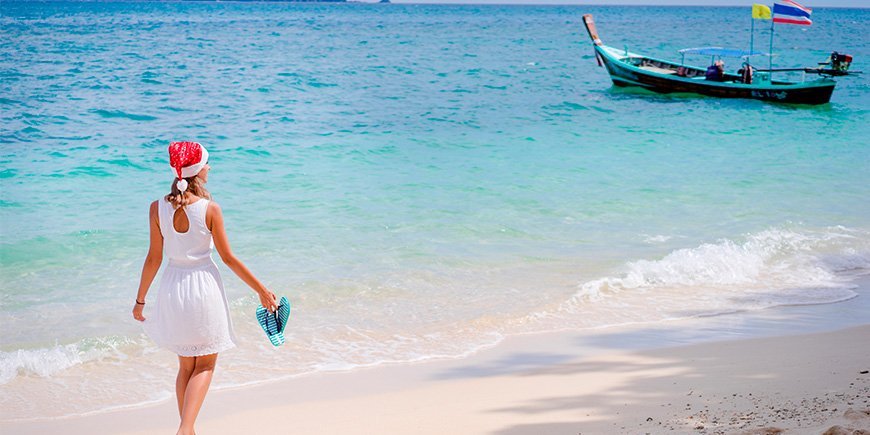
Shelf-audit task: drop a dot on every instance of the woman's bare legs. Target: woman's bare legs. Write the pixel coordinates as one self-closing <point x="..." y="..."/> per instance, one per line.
<point x="185" y="370"/>
<point x="190" y="400"/>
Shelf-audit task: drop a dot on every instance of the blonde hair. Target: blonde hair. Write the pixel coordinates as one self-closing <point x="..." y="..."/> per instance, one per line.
<point x="195" y="187"/>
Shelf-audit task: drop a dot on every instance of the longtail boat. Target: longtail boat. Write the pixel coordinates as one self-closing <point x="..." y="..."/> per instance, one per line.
<point x="631" y="69"/>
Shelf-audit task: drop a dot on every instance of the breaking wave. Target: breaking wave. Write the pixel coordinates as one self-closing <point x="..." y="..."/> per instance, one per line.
<point x="769" y="268"/>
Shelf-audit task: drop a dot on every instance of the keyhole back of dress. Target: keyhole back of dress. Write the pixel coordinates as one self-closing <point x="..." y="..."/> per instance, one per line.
<point x="180" y="221"/>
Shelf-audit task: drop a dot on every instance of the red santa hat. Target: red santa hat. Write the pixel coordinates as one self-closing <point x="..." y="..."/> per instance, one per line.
<point x="186" y="160"/>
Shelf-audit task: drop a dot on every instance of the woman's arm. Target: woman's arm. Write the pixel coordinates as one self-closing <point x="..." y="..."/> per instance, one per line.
<point x="215" y="221"/>
<point x="152" y="261"/>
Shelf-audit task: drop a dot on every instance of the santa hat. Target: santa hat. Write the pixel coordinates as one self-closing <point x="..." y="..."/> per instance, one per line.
<point x="186" y="159"/>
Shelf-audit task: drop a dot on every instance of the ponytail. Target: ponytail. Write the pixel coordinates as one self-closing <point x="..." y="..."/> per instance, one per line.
<point x="195" y="187"/>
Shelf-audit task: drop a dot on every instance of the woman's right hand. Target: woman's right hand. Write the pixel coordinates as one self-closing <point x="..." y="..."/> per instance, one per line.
<point x="137" y="312"/>
<point x="269" y="301"/>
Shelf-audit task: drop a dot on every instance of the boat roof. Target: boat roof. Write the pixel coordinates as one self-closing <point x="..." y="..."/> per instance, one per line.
<point x="719" y="51"/>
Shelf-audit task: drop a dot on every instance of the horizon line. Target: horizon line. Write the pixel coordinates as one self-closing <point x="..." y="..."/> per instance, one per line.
<point x="695" y="3"/>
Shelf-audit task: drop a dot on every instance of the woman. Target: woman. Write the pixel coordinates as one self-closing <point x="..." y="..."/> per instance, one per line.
<point x="192" y="316"/>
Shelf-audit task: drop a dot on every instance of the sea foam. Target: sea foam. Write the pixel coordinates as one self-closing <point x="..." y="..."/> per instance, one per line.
<point x="47" y="361"/>
<point x="787" y="266"/>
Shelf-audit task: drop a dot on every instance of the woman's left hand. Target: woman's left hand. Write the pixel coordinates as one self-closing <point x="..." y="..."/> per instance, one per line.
<point x="137" y="312"/>
<point x="269" y="301"/>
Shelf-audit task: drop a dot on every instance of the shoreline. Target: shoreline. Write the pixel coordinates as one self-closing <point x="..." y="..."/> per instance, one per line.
<point x="605" y="360"/>
<point x="658" y="334"/>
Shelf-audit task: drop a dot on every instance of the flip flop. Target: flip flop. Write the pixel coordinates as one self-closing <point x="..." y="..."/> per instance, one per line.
<point x="274" y="323"/>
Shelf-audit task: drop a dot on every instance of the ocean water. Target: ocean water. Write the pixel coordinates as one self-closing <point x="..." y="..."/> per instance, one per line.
<point x="421" y="181"/>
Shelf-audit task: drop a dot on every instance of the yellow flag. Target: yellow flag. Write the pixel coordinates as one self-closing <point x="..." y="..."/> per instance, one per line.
<point x="760" y="12"/>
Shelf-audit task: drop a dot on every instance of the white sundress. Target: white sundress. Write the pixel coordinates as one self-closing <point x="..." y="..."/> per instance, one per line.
<point x="191" y="316"/>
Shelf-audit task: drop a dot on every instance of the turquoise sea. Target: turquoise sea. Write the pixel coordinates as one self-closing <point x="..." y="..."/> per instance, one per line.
<point x="420" y="180"/>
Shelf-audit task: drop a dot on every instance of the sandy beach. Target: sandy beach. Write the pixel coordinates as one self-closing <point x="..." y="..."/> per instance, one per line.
<point x="559" y="383"/>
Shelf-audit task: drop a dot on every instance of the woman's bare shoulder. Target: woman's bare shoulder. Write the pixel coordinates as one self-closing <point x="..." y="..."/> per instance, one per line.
<point x="153" y="213"/>
<point x="213" y="210"/>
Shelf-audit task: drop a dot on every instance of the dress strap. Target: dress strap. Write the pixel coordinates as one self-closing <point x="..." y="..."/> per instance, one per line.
<point x="164" y="215"/>
<point x="196" y="212"/>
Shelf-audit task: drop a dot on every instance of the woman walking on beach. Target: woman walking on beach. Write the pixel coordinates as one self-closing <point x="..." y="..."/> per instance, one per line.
<point x="192" y="316"/>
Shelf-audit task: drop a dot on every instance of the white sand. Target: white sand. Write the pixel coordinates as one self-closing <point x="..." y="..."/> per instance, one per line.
<point x="562" y="383"/>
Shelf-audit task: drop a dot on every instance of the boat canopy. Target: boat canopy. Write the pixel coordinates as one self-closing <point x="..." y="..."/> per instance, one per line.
<point x="719" y="51"/>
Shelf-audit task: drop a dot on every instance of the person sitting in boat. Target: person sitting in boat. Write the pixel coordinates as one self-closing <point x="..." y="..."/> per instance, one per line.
<point x="716" y="72"/>
<point x="745" y="73"/>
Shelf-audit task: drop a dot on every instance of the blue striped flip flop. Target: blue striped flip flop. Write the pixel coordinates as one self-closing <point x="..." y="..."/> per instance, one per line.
<point x="274" y="323"/>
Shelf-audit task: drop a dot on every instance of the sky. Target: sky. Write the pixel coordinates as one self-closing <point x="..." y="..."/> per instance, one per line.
<point x="747" y="3"/>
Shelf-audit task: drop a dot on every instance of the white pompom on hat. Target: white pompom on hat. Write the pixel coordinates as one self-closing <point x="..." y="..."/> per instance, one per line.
<point x="186" y="160"/>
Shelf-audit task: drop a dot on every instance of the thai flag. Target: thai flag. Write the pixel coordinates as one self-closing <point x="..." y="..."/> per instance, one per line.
<point x="791" y="12"/>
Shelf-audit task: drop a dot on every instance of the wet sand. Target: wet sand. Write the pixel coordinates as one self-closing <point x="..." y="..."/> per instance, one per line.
<point x="558" y="383"/>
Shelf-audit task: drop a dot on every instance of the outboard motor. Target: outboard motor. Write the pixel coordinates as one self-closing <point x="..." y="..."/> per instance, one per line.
<point x="840" y="61"/>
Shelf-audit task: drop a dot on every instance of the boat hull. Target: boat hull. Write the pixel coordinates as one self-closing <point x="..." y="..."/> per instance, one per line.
<point x="625" y="74"/>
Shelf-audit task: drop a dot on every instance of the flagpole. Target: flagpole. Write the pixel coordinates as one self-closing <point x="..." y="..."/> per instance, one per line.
<point x="751" y="35"/>
<point x="770" y="52"/>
